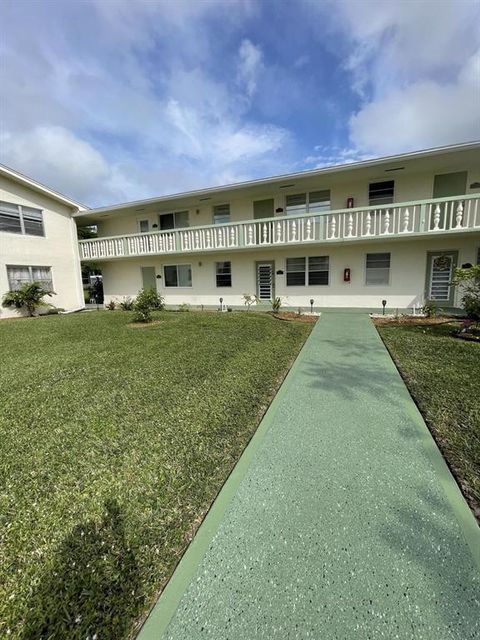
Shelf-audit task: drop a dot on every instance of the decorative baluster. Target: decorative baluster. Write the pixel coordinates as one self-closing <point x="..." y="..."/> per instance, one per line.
<point x="208" y="239"/>
<point x="350" y="226"/>
<point x="250" y="234"/>
<point x="368" y="224"/>
<point x="309" y="229"/>
<point x="294" y="230"/>
<point x="197" y="239"/>
<point x="386" y="221"/>
<point x="333" y="227"/>
<point x="264" y="233"/>
<point x="279" y="232"/>
<point x="406" y="220"/>
<point x="436" y="218"/>
<point x="459" y="216"/>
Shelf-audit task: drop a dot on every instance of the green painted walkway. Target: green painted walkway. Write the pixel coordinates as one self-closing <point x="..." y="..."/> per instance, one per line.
<point x="340" y="521"/>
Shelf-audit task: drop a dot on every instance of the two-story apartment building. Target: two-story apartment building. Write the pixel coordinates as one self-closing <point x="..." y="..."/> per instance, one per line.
<point x="38" y="240"/>
<point x="345" y="236"/>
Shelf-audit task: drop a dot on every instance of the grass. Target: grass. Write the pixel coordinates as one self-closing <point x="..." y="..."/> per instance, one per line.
<point x="113" y="443"/>
<point x="443" y="375"/>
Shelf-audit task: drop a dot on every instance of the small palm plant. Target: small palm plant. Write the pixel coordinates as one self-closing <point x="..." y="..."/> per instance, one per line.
<point x="29" y="298"/>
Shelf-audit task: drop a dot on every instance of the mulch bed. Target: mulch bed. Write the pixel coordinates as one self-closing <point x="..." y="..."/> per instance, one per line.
<point x="295" y="317"/>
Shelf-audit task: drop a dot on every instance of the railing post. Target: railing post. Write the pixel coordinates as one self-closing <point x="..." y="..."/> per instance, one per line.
<point x="125" y="246"/>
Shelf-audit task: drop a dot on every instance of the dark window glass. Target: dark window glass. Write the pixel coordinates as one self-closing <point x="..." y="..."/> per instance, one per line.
<point x="318" y="270"/>
<point x="171" y="279"/>
<point x="10" y="218"/>
<point x="378" y="268"/>
<point x="167" y="221"/>
<point x="221" y="214"/>
<point x="224" y="274"/>
<point x="381" y="192"/>
<point x="32" y="221"/>
<point x="295" y="272"/>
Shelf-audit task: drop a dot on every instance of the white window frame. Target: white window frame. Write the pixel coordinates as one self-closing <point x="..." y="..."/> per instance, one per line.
<point x="379" y="204"/>
<point x="218" y="206"/>
<point x="174" y="214"/>
<point x="378" y="284"/>
<point x="22" y="231"/>
<point x="225" y="286"/>
<point x="306" y="271"/>
<point x="177" y="264"/>
<point x="308" y="203"/>
<point x="139" y="222"/>
<point x="30" y="272"/>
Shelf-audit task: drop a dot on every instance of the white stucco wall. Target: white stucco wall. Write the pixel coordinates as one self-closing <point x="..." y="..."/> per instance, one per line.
<point x="406" y="288"/>
<point x="58" y="249"/>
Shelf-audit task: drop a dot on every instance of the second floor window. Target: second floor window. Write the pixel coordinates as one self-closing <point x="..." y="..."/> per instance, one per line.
<point x="380" y="192"/>
<point x="175" y="220"/>
<point x="19" y="275"/>
<point x="221" y="213"/>
<point x="16" y="218"/>
<point x="312" y="202"/>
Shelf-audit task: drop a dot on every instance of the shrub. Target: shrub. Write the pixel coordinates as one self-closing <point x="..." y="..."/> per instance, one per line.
<point x="146" y="301"/>
<point x="29" y="297"/>
<point x="430" y="309"/>
<point x="184" y="307"/>
<point x="276" y="304"/>
<point x="111" y="306"/>
<point x="126" y="304"/>
<point x="469" y="280"/>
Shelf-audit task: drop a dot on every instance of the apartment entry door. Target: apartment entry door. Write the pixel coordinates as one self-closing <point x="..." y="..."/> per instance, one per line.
<point x="265" y="280"/>
<point x="263" y="209"/>
<point x="149" y="278"/>
<point x="440" y="270"/>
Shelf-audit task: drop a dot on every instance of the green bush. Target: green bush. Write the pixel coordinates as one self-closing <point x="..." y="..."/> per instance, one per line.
<point x="111" y="306"/>
<point x="29" y="298"/>
<point x="127" y="304"/>
<point x="430" y="310"/>
<point x="146" y="301"/>
<point x="469" y="280"/>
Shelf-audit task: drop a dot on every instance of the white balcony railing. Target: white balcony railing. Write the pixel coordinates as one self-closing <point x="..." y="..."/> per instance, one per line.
<point x="426" y="217"/>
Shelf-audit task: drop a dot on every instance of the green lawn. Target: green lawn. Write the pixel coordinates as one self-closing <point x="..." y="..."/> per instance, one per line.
<point x="113" y="443"/>
<point x="443" y="375"/>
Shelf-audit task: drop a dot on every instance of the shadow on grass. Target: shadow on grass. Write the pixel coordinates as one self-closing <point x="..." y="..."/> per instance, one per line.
<point x="92" y="587"/>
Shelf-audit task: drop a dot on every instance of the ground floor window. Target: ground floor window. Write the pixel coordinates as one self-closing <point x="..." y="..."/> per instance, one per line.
<point x="377" y="268"/>
<point x="223" y="274"/>
<point x="178" y="275"/>
<point x="307" y="271"/>
<point x="19" y="275"/>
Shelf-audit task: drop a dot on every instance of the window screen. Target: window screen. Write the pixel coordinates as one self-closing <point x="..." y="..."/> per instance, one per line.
<point x="378" y="268"/>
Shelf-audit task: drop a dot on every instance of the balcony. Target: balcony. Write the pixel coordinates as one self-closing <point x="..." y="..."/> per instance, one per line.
<point x="416" y="218"/>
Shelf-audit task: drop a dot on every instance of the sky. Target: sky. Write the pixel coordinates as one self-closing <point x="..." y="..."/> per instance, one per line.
<point x="115" y="100"/>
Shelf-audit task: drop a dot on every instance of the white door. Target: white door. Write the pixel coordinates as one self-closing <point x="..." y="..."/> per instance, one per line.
<point x="440" y="277"/>
<point x="265" y="280"/>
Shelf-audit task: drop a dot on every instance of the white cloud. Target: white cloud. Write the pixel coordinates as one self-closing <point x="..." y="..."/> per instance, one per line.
<point x="415" y="68"/>
<point x="110" y="123"/>
<point x="83" y="170"/>
<point x="250" y="65"/>
<point x="421" y="115"/>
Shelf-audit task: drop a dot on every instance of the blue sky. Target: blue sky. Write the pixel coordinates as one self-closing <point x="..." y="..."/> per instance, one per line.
<point x="116" y="100"/>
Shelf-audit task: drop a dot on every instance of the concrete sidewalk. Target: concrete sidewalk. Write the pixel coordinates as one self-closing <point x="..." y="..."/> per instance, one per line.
<point x="341" y="520"/>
